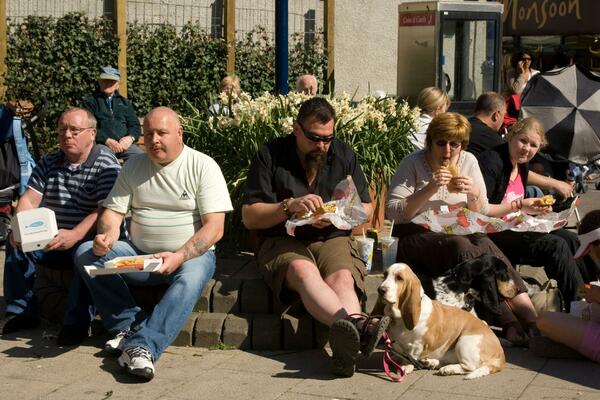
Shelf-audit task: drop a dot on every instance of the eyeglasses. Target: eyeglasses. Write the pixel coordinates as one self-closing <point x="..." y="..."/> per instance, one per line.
<point x="313" y="137"/>
<point x="444" y="143"/>
<point x="74" y="130"/>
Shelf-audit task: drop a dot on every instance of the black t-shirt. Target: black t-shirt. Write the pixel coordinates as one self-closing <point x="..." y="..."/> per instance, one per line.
<point x="277" y="174"/>
<point x="482" y="137"/>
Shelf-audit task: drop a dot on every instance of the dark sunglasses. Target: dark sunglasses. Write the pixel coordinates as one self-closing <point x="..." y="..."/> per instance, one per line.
<point x="444" y="143"/>
<point x="313" y="137"/>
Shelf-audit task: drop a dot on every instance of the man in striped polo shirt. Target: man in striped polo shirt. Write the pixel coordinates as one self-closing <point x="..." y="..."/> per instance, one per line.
<point x="72" y="182"/>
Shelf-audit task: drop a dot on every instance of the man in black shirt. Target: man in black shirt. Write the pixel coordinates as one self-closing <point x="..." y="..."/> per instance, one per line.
<point x="321" y="265"/>
<point x="485" y="123"/>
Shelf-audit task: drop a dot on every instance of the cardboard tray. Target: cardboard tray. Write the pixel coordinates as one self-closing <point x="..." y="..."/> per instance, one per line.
<point x="151" y="264"/>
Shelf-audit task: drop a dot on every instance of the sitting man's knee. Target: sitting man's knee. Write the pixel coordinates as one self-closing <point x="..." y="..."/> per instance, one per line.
<point x="301" y="270"/>
<point x="340" y="278"/>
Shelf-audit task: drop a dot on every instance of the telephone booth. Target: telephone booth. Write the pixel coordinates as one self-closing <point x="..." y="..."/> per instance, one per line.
<point x="454" y="45"/>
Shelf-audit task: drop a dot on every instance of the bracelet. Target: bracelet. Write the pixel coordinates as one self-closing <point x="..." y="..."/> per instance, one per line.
<point x="286" y="208"/>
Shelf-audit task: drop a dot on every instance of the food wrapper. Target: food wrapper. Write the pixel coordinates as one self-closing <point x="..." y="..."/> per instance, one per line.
<point x="349" y="211"/>
<point x="458" y="220"/>
<point x="128" y="264"/>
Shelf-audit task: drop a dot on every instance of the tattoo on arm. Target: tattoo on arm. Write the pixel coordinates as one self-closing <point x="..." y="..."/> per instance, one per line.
<point x="195" y="248"/>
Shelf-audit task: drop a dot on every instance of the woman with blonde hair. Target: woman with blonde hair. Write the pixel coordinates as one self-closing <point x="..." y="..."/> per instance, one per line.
<point x="505" y="169"/>
<point x="432" y="101"/>
<point x="231" y="86"/>
<point x="441" y="175"/>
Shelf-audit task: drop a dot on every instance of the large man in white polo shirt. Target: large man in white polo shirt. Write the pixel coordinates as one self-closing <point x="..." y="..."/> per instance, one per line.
<point x="178" y="199"/>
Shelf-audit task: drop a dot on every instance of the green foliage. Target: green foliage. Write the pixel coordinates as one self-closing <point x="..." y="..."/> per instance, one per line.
<point x="255" y="60"/>
<point x="166" y="67"/>
<point x="58" y="59"/>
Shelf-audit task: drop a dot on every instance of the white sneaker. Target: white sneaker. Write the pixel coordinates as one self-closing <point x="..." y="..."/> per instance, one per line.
<point x="138" y="361"/>
<point x="115" y="345"/>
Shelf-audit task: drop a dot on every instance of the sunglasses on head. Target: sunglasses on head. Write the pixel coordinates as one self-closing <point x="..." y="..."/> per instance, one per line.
<point x="313" y="137"/>
<point x="444" y="143"/>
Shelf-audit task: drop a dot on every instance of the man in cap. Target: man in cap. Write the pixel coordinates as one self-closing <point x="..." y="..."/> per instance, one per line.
<point x="118" y="125"/>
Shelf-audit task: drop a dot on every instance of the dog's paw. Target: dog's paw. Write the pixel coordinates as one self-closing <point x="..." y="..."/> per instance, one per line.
<point x="430" y="363"/>
<point x="452" y="369"/>
<point x="408" y="368"/>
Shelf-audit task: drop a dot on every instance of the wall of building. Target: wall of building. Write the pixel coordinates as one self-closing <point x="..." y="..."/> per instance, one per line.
<point x="366" y="46"/>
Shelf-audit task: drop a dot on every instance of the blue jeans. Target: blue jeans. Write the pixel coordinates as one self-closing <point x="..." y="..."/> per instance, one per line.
<point x="118" y="309"/>
<point x="19" y="276"/>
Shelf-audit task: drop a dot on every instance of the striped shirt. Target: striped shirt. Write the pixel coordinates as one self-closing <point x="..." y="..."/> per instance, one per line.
<point x="74" y="191"/>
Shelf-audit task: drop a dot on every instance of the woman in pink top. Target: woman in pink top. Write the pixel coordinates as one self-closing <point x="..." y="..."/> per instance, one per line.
<point x="505" y="170"/>
<point x="581" y="335"/>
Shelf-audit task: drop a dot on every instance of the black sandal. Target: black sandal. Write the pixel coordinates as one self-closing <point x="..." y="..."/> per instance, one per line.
<point x="368" y="340"/>
<point x="523" y="342"/>
<point x="344" y="340"/>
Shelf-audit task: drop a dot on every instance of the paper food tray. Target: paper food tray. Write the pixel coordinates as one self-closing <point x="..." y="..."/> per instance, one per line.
<point x="150" y="264"/>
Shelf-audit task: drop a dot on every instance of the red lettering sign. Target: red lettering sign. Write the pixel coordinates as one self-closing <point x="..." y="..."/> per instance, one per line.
<point x="417" y="19"/>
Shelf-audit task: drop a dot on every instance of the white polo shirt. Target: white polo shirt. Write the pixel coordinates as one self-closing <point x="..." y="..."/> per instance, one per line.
<point x="167" y="202"/>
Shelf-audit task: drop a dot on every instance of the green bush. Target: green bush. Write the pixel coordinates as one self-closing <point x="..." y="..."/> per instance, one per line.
<point x="59" y="58"/>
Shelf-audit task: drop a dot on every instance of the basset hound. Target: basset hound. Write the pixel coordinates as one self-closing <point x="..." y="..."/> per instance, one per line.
<point x="441" y="337"/>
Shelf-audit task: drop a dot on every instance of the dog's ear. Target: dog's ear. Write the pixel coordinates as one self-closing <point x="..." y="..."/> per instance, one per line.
<point x="506" y="286"/>
<point x="410" y="308"/>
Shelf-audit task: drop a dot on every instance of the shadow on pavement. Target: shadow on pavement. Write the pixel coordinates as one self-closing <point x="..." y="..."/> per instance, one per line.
<point x="581" y="372"/>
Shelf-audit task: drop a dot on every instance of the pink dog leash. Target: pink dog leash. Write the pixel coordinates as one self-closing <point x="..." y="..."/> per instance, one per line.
<point x="387" y="360"/>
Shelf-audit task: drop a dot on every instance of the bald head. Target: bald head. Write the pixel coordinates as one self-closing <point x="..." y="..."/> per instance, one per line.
<point x="307" y="84"/>
<point x="163" y="135"/>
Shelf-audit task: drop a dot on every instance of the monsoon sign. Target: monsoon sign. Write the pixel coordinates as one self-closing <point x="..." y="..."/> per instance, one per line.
<point x="550" y="17"/>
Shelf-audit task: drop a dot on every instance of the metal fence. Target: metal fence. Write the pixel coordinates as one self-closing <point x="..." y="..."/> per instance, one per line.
<point x="305" y="16"/>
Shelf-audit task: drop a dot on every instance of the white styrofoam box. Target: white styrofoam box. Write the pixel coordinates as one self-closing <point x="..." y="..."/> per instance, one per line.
<point x="34" y="228"/>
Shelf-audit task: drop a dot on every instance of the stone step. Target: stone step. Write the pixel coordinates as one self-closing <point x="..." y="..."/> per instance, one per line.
<point x="236" y="309"/>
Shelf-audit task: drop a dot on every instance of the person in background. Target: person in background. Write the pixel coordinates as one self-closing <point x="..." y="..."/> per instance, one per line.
<point x="307" y="84"/>
<point x="432" y="101"/>
<point x="580" y="335"/>
<point x="177" y="198"/>
<point x="487" y="119"/>
<point x="424" y="181"/>
<point x="73" y="182"/>
<point x="230" y="85"/>
<point x="505" y="172"/>
<point x="320" y="264"/>
<point x="521" y="72"/>
<point x="118" y="125"/>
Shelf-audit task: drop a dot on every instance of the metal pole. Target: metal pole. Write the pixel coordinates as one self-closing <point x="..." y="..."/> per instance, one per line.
<point x="281" y="47"/>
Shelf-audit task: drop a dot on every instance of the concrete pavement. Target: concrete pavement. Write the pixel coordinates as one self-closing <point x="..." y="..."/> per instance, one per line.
<point x="33" y="367"/>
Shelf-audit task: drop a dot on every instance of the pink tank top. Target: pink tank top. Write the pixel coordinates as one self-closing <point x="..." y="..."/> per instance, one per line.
<point x="515" y="190"/>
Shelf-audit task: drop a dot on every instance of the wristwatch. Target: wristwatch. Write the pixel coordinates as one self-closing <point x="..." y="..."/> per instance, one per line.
<point x="286" y="208"/>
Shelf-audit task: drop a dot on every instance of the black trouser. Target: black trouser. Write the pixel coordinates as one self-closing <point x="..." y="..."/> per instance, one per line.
<point x="550" y="251"/>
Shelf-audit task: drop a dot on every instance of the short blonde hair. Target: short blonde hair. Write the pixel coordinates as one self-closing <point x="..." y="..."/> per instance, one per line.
<point x="526" y="124"/>
<point x="449" y="126"/>
<point x="431" y="98"/>
<point x="233" y="81"/>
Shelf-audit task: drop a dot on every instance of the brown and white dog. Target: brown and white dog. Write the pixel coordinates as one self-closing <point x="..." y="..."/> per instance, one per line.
<point x="441" y="337"/>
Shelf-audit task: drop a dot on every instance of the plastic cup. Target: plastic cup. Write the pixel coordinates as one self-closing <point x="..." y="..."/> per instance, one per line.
<point x="389" y="250"/>
<point x="365" y="248"/>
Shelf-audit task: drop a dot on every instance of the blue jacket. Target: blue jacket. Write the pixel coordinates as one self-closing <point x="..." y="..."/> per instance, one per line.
<point x="116" y="123"/>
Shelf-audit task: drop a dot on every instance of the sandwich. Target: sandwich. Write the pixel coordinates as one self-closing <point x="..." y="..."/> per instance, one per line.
<point x="137" y="263"/>
<point x="547" y="200"/>
<point x="329" y="207"/>
<point x="455" y="172"/>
